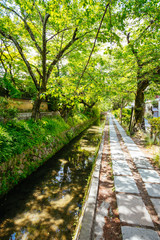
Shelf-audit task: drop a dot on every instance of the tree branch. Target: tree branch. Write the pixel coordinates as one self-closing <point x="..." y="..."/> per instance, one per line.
<point x="27" y="27"/>
<point x="8" y="36"/>
<point x="65" y="29"/>
<point x="44" y="79"/>
<point x="140" y="35"/>
<point x="2" y="62"/>
<point x="39" y="13"/>
<point x="93" y="45"/>
<point x="87" y="104"/>
<point x="60" y="54"/>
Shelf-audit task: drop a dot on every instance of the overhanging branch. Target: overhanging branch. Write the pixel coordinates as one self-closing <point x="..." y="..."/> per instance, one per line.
<point x="93" y="45"/>
<point x="27" y="27"/>
<point x="8" y="36"/>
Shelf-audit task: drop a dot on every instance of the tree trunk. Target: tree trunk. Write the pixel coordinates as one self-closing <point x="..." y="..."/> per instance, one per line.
<point x="140" y="104"/>
<point x="121" y="109"/>
<point x="36" y="108"/>
<point x="131" y="121"/>
<point x="139" y="110"/>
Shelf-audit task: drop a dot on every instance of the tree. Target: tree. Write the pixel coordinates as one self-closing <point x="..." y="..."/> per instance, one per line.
<point x="143" y="40"/>
<point x="146" y="54"/>
<point x="139" y="23"/>
<point x="47" y="29"/>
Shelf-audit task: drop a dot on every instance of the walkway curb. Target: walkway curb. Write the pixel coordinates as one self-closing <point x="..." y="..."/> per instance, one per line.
<point x="85" y="226"/>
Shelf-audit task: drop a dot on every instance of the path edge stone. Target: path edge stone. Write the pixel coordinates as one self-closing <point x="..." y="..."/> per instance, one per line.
<point x="86" y="220"/>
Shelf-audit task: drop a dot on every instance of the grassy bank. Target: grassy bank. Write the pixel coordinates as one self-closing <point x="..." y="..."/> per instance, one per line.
<point x="25" y="145"/>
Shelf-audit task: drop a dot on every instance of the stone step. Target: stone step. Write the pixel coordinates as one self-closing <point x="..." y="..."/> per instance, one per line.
<point x="148" y="175"/>
<point x="132" y="210"/>
<point x="125" y="184"/>
<point x="156" y="204"/>
<point x="120" y="167"/>
<point x="153" y="189"/>
<point x="135" y="233"/>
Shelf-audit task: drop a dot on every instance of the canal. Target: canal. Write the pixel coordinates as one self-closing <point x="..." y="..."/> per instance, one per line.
<point x="46" y="205"/>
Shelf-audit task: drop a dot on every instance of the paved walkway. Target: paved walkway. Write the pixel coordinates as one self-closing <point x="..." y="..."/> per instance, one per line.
<point x="135" y="219"/>
<point x="134" y="216"/>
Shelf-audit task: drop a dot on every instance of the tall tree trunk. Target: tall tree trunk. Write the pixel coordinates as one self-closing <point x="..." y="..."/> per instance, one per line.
<point x="139" y="109"/>
<point x="121" y="111"/>
<point x="36" y="108"/>
<point x="121" y="114"/>
<point x="140" y="105"/>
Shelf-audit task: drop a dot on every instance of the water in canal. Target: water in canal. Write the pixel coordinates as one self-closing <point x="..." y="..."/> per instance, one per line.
<point x="46" y="204"/>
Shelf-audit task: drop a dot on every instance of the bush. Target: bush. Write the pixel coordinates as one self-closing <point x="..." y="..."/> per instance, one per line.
<point x="155" y="127"/>
<point x="77" y="119"/>
<point x="116" y="113"/>
<point x="126" y="115"/>
<point x="6" y="111"/>
<point x="5" y="144"/>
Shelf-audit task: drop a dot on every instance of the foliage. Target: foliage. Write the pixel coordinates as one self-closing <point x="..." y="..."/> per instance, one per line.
<point x="155" y="104"/>
<point x="50" y="30"/>
<point x="157" y="159"/>
<point x="155" y="128"/>
<point x="6" y="111"/>
<point x="126" y="115"/>
<point x="45" y="46"/>
<point x="133" y="66"/>
<point x="76" y="119"/>
<point x="5" y="143"/>
<point x="82" y="115"/>
<point x="17" y="136"/>
<point x="149" y="141"/>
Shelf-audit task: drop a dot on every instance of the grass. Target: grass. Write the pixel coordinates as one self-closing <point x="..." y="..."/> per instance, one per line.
<point x="17" y="136"/>
<point x="148" y="140"/>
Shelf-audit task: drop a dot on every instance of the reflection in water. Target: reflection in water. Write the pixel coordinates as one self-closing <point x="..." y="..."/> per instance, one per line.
<point x="45" y="205"/>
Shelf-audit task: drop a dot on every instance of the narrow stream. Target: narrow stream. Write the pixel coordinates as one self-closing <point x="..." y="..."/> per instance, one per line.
<point x="46" y="204"/>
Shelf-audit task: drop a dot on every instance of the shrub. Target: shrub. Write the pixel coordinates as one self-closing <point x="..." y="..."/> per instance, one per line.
<point x="6" y="111"/>
<point x="116" y="113"/>
<point x="126" y="114"/>
<point x="5" y="144"/>
<point x="157" y="159"/>
<point x="155" y="127"/>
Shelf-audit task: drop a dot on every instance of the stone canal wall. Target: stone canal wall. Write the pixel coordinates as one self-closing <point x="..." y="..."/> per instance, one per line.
<point x="22" y="165"/>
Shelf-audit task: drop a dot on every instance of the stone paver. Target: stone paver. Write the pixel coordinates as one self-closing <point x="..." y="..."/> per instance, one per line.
<point x="132" y="210"/>
<point x="156" y="204"/>
<point x="135" y="233"/>
<point x="102" y="212"/>
<point x="142" y="163"/>
<point x="120" y="167"/>
<point x="115" y="148"/>
<point x="153" y="189"/>
<point x="149" y="175"/>
<point x="125" y="184"/>
<point x="133" y="149"/>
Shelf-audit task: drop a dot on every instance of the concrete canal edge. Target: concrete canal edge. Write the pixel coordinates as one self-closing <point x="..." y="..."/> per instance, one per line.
<point x="21" y="166"/>
<point x="85" y="225"/>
